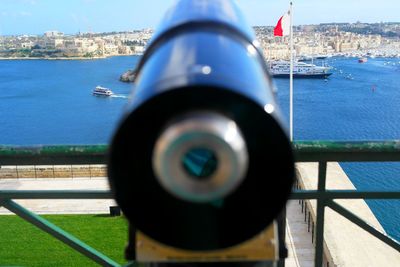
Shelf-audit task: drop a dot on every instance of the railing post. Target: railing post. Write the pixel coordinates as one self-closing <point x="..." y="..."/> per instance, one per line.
<point x="283" y="252"/>
<point x="305" y="211"/>
<point x="312" y="233"/>
<point x="319" y="235"/>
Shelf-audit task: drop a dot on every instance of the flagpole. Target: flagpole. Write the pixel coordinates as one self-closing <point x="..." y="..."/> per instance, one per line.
<point x="291" y="71"/>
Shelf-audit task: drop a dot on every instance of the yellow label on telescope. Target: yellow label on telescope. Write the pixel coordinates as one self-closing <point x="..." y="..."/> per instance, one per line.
<point x="263" y="247"/>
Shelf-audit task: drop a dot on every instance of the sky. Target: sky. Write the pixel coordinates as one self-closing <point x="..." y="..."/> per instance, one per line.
<point x="73" y="16"/>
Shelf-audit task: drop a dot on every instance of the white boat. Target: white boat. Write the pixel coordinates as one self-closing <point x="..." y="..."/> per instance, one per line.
<point x="305" y="58"/>
<point x="102" y="91"/>
<point x="300" y="70"/>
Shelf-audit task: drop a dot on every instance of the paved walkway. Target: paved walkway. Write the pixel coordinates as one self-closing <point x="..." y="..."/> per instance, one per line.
<point x="298" y="239"/>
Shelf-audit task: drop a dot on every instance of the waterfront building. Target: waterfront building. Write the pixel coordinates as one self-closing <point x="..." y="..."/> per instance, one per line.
<point x="322" y="39"/>
<point x="53" y="34"/>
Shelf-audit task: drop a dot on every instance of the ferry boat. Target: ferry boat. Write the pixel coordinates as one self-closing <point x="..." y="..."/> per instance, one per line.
<point x="300" y="70"/>
<point x="102" y="91"/>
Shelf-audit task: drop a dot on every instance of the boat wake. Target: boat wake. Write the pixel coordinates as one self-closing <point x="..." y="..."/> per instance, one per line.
<point x="120" y="96"/>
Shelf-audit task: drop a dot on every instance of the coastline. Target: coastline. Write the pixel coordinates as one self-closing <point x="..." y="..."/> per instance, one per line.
<point x="65" y="58"/>
<point x="350" y="54"/>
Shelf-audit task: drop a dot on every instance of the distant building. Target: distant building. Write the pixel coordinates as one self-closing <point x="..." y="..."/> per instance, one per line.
<point x="53" y="34"/>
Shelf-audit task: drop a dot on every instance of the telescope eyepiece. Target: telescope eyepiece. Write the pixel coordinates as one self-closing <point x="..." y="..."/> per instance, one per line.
<point x="200" y="157"/>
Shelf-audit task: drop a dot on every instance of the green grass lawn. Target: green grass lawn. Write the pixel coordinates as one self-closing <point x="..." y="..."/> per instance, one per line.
<point x="22" y="244"/>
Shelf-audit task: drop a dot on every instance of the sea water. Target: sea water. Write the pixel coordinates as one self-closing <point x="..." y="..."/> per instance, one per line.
<point x="51" y="102"/>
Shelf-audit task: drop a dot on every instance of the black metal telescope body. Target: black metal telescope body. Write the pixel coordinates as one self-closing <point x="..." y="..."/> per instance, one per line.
<point x="201" y="160"/>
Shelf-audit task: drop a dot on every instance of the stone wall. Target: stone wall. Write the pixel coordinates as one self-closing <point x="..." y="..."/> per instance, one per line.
<point x="50" y="171"/>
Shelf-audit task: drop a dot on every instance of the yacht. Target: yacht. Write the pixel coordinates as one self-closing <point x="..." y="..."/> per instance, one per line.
<point x="300" y="70"/>
<point x="102" y="91"/>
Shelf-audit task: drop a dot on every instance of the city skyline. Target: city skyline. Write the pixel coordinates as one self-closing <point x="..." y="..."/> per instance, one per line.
<point x="38" y="16"/>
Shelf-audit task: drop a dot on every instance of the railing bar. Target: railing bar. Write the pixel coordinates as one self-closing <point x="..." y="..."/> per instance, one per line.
<point x="58" y="233"/>
<point x="306" y="151"/>
<point x="345" y="194"/>
<point x="347" y="157"/>
<point x="105" y="194"/>
<point x="56" y="194"/>
<point x="364" y="225"/>
<point x="300" y="157"/>
<point x="319" y="239"/>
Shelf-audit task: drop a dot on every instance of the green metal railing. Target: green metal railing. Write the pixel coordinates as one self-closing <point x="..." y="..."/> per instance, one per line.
<point x="321" y="152"/>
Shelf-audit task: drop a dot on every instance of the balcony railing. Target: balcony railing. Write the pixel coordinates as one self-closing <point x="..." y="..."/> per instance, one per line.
<point x="313" y="151"/>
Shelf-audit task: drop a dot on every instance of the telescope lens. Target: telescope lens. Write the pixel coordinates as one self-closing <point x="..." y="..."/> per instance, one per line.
<point x="200" y="163"/>
<point x="200" y="157"/>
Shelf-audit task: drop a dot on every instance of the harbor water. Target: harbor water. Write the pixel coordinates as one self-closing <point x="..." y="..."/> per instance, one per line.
<point x="51" y="102"/>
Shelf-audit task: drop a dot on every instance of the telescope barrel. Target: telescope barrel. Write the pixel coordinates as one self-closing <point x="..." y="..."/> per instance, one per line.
<point x="201" y="160"/>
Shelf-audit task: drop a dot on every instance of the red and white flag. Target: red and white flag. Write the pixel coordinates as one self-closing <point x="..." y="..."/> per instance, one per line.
<point x="283" y="26"/>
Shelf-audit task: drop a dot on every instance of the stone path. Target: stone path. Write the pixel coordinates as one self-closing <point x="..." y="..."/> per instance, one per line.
<point x="298" y="239"/>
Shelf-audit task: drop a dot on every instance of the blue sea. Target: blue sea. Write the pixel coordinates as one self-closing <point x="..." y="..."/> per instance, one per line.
<point x="50" y="102"/>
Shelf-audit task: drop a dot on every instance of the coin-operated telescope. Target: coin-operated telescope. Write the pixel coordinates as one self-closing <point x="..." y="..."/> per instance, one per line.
<point x="201" y="165"/>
